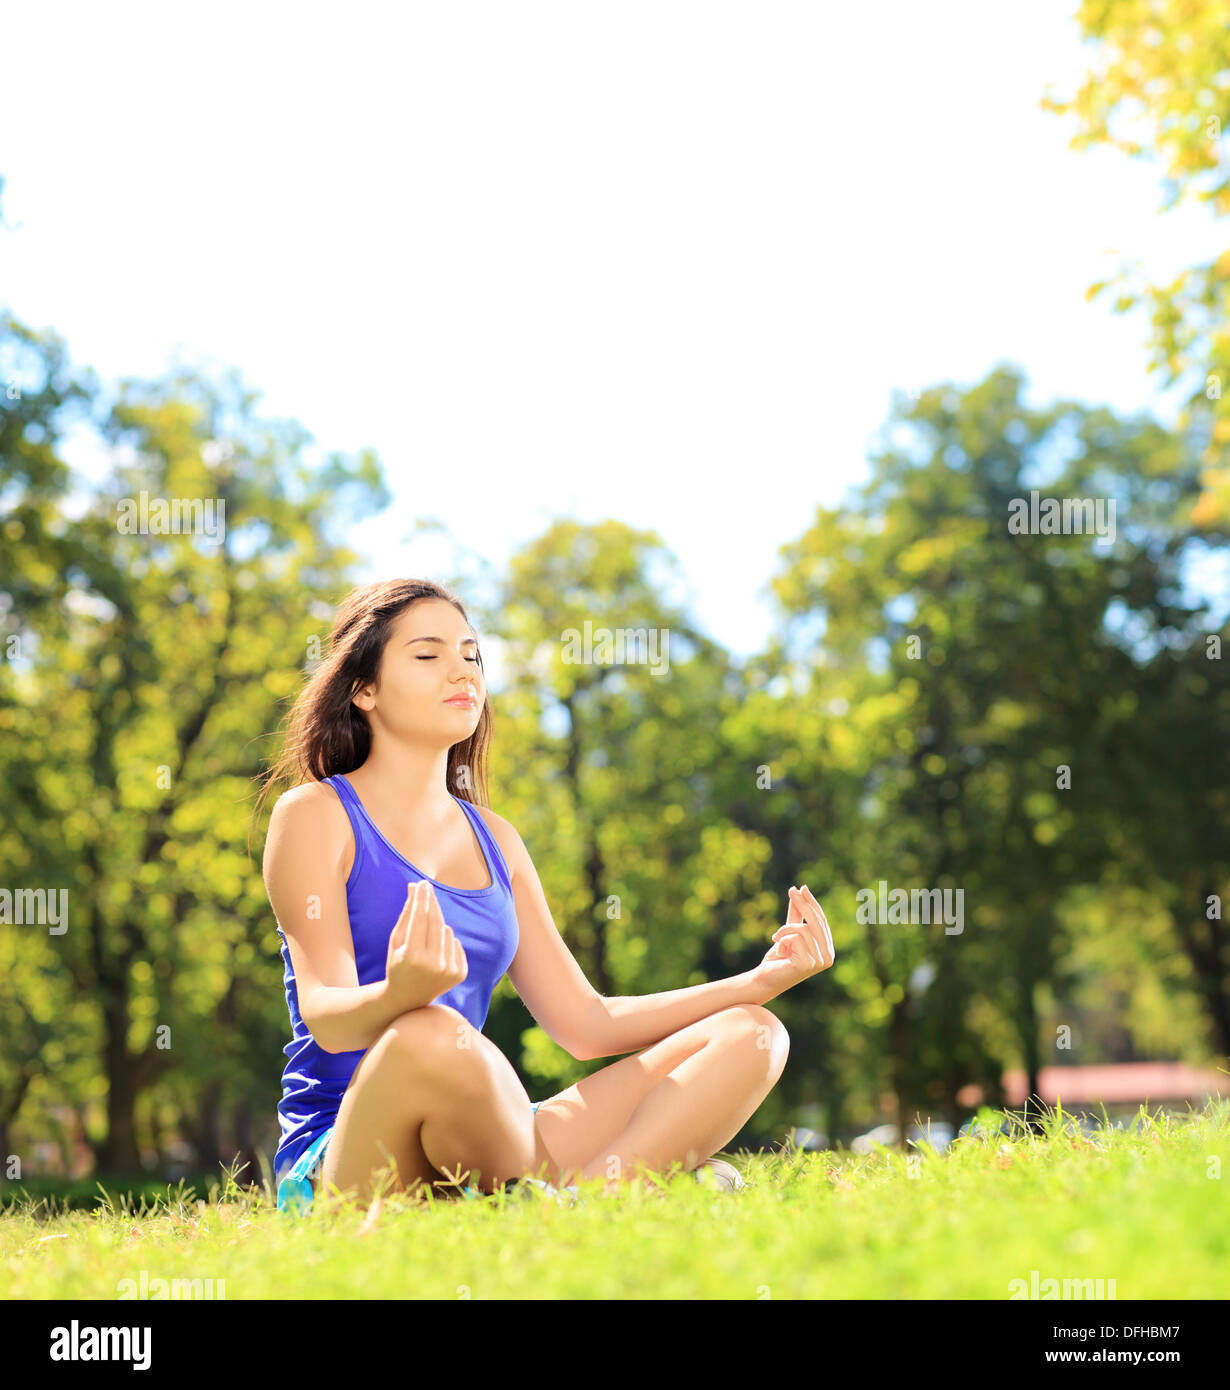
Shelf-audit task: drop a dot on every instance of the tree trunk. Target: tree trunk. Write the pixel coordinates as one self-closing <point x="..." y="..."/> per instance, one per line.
<point x="595" y="873"/>
<point x="1210" y="960"/>
<point x="9" y="1114"/>
<point x="157" y="1139"/>
<point x="249" y="1168"/>
<point x="899" y="1039"/>
<point x="118" y="1153"/>
<point x="1027" y="1024"/>
<point x="207" y="1139"/>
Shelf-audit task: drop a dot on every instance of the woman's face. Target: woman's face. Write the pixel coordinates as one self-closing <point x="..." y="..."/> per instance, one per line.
<point x="431" y="657"/>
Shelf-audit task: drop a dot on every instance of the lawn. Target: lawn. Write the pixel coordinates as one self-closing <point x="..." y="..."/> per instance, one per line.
<point x="1147" y="1206"/>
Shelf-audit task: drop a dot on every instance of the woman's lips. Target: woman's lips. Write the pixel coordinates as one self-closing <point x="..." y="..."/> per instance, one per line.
<point x="462" y="701"/>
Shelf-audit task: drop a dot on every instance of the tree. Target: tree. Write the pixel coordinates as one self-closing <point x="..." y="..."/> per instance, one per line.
<point x="970" y="664"/>
<point x="195" y="579"/>
<point x="1163" y="65"/>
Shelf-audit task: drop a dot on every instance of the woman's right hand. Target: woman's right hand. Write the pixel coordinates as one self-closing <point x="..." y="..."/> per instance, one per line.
<point x="425" y="959"/>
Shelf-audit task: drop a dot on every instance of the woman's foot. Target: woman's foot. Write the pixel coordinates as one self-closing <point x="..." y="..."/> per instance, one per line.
<point x="711" y="1172"/>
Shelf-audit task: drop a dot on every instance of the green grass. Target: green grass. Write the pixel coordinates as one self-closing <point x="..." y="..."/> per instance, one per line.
<point x="84" y="1194"/>
<point x="1144" y="1206"/>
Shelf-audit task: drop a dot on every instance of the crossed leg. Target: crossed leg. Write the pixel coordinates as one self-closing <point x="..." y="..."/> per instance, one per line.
<point x="438" y="1099"/>
<point x="679" y="1101"/>
<point x="440" y="1102"/>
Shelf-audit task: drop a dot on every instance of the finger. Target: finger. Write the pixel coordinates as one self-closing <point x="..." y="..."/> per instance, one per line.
<point x="800" y="907"/>
<point x="808" y="925"/>
<point x="807" y="904"/>
<point x="804" y="952"/>
<point x="793" y="924"/>
<point x="430" y="919"/>
<point x="824" y="923"/>
<point x="813" y="915"/>
<point x="792" y="934"/>
<point x="811" y="898"/>
<point x="796" y="949"/>
<point x="815" y="952"/>
<point x="449" y="944"/>
<point x="793" y="913"/>
<point x="401" y="928"/>
<point x="417" y="925"/>
<point x="815" y="936"/>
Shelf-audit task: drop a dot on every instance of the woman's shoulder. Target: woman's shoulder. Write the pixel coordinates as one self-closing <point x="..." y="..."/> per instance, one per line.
<point x="307" y="792"/>
<point x="314" y="802"/>
<point x="308" y="826"/>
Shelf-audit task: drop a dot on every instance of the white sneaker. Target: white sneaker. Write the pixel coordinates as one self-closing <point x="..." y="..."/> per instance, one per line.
<point x="716" y="1172"/>
<point x="528" y="1187"/>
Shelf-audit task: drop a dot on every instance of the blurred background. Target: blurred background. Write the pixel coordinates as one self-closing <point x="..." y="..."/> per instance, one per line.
<point x="768" y="332"/>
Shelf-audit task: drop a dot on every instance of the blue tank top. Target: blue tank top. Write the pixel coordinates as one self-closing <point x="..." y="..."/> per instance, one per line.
<point x="483" y="920"/>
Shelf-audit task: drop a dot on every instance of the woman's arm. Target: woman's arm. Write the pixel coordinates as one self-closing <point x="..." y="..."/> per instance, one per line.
<point x="303" y="868"/>
<point x="554" y="989"/>
<point x="802" y="947"/>
<point x="626" y="1023"/>
<point x="349" y="1018"/>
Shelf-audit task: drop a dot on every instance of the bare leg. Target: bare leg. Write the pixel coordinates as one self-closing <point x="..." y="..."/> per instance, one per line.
<point x="438" y="1100"/>
<point x="678" y="1101"/>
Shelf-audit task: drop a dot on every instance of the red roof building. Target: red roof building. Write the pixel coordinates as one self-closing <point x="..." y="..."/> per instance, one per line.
<point x="1114" y="1083"/>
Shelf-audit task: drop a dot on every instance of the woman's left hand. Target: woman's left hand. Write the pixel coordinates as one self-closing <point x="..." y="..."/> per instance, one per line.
<point x="803" y="947"/>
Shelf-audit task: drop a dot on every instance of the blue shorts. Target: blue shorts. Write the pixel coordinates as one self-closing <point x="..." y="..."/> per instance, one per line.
<point x="298" y="1184"/>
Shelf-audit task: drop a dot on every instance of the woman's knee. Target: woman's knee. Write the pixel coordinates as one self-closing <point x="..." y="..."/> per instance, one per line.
<point x="764" y="1030"/>
<point x="436" y="1037"/>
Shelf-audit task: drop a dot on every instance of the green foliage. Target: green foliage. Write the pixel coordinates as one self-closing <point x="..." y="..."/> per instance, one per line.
<point x="1160" y="73"/>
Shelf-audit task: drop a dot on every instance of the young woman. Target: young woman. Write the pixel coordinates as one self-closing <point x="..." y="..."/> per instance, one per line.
<point x="402" y="900"/>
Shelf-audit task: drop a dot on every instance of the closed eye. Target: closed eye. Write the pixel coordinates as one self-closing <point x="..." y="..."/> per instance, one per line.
<point x="432" y="658"/>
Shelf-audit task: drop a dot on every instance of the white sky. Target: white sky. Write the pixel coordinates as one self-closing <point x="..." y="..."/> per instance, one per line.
<point x="659" y="262"/>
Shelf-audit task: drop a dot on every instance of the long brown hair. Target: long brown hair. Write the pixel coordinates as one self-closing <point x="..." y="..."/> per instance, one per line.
<point x="325" y="733"/>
